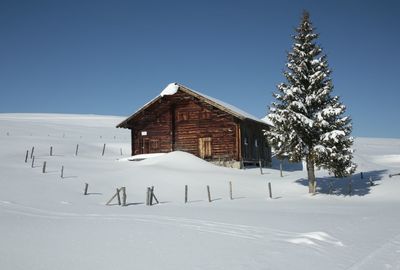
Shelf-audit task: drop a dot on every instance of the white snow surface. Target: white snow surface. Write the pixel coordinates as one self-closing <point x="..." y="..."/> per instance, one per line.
<point x="47" y="222"/>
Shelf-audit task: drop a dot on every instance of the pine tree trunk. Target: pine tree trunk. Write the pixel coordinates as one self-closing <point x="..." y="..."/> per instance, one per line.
<point x="312" y="184"/>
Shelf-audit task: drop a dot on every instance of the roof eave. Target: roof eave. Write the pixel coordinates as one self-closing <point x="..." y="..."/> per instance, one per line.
<point x="124" y="124"/>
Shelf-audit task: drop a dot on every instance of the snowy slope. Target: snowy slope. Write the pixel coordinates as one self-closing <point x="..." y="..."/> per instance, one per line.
<point x="47" y="222"/>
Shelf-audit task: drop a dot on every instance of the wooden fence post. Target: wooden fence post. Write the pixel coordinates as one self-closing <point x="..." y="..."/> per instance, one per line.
<point x="44" y="167"/>
<point x="153" y="196"/>
<point x="51" y="150"/>
<point x="33" y="149"/>
<point x="120" y="151"/>
<point x="362" y="175"/>
<point x="104" y="149"/>
<point x="123" y="196"/>
<point x="33" y="161"/>
<point x="371" y="182"/>
<point x="26" y="156"/>
<point x="86" y="189"/>
<point x="186" y="193"/>
<point x="76" y="150"/>
<point x="281" y="168"/>
<point x="148" y="196"/>
<point x="230" y="190"/>
<point x="270" y="189"/>
<point x="62" y="171"/>
<point x="209" y="194"/>
<point x="118" y="196"/>
<point x="261" y="169"/>
<point x="112" y="198"/>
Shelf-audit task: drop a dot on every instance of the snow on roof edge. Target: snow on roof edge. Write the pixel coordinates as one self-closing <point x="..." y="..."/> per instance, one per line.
<point x="267" y="120"/>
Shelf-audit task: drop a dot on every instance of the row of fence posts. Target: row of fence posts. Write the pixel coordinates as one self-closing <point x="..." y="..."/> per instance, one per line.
<point x="44" y="166"/>
<point x="62" y="167"/>
<point x="230" y="192"/>
<point x="48" y="135"/>
<point x="51" y="152"/>
<point x="104" y="149"/>
<point x="122" y="190"/>
<point x="151" y="198"/>
<point x="150" y="191"/>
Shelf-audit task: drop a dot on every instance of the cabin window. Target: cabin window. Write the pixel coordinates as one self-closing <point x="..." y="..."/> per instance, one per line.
<point x="154" y="145"/>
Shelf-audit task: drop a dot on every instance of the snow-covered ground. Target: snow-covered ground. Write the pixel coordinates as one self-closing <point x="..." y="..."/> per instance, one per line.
<point x="47" y="223"/>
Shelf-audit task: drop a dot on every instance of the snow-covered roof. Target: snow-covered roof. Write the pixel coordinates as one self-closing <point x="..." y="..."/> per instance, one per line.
<point x="173" y="88"/>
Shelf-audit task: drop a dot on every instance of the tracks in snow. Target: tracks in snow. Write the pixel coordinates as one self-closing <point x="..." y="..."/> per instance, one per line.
<point x="386" y="256"/>
<point x="313" y="240"/>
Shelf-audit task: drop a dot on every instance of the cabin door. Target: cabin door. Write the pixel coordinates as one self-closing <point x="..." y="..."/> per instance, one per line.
<point x="205" y="147"/>
<point x="145" y="146"/>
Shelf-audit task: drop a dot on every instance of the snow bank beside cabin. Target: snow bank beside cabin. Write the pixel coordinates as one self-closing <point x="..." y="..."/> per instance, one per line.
<point x="179" y="160"/>
<point x="141" y="157"/>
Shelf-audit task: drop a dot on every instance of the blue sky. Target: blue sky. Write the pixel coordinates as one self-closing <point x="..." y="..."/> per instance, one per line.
<point x="111" y="57"/>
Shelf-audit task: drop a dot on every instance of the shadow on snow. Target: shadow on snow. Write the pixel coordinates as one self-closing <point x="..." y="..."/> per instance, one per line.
<point x="341" y="186"/>
<point x="286" y="165"/>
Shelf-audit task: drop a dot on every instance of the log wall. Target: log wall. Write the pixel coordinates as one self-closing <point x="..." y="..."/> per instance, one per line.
<point x="178" y="122"/>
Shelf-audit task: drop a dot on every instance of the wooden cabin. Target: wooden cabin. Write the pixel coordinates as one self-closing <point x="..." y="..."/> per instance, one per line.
<point x="186" y="120"/>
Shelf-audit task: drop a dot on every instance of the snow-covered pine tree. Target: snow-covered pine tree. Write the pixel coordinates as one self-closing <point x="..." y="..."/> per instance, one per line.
<point x="308" y="122"/>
